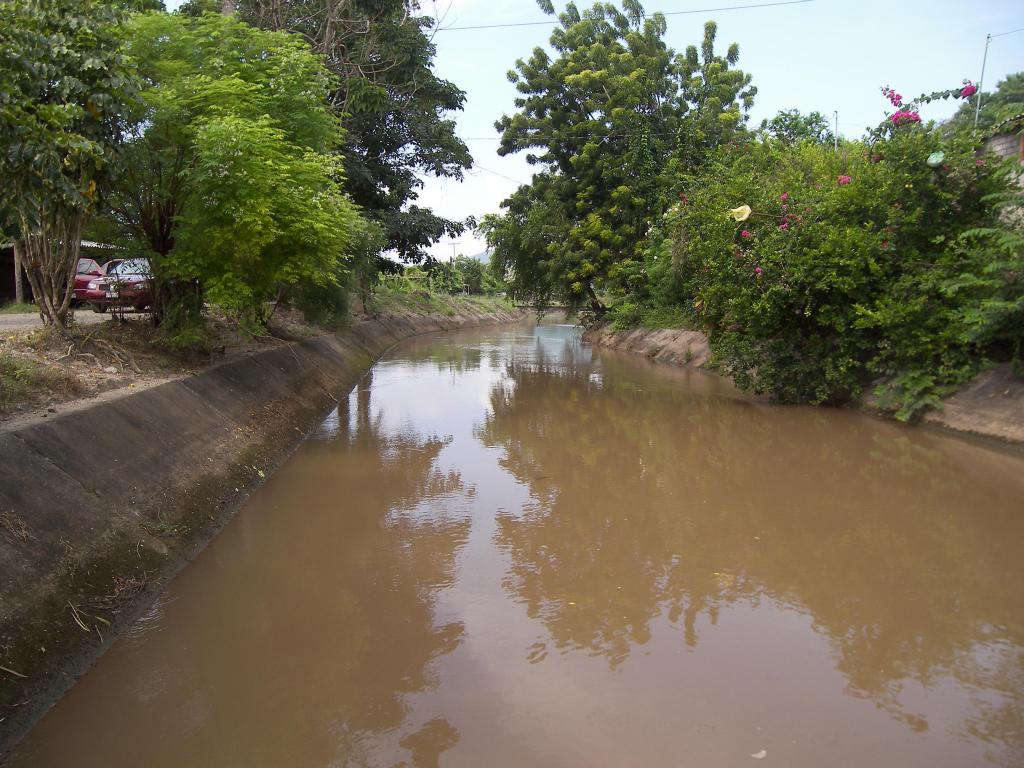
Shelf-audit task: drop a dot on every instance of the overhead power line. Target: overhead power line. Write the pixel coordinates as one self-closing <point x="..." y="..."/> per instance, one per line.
<point x="1012" y="31"/>
<point x="533" y="139"/>
<point x="981" y="81"/>
<point x="539" y="140"/>
<point x="478" y="167"/>
<point x="552" y="23"/>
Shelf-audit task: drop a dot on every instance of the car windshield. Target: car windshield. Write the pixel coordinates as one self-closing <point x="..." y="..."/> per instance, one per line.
<point x="131" y="267"/>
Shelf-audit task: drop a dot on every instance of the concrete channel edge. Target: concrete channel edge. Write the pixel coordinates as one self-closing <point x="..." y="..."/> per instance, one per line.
<point x="101" y="507"/>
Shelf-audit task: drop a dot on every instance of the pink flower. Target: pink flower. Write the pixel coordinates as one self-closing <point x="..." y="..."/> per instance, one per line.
<point x="844" y="180"/>
<point x="784" y="196"/>
<point x="895" y="99"/>
<point x="784" y="226"/>
<point x="968" y="90"/>
<point x="758" y="271"/>
<point x="745" y="233"/>
<point x="905" y="116"/>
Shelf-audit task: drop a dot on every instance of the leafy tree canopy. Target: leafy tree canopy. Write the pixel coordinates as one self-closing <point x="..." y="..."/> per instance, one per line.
<point x="791" y="127"/>
<point x="612" y="118"/>
<point x="718" y="97"/>
<point x="394" y="107"/>
<point x="228" y="174"/>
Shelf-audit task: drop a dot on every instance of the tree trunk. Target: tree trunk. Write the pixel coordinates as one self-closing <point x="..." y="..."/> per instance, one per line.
<point x="50" y="258"/>
<point x="19" y="285"/>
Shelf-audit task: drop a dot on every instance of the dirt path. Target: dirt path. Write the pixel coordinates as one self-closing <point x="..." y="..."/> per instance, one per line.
<point x="29" y="320"/>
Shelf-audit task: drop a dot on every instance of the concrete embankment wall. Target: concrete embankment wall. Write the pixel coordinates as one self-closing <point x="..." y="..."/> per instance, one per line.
<point x="674" y="346"/>
<point x="991" y="405"/>
<point x="101" y="506"/>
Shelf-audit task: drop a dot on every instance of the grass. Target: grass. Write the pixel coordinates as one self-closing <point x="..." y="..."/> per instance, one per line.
<point x="23" y="380"/>
<point x="665" y="317"/>
<point x="13" y="308"/>
<point x="626" y="315"/>
<point x="394" y="298"/>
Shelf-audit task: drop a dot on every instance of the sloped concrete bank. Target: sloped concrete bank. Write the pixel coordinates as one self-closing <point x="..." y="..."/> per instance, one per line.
<point x="674" y="346"/>
<point x="991" y="405"/>
<point x="100" y="507"/>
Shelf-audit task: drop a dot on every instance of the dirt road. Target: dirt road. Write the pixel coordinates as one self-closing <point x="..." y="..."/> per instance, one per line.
<point x="30" y="320"/>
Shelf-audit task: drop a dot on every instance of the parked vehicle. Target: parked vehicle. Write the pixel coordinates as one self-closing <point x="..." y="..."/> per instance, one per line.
<point x="129" y="283"/>
<point x="88" y="269"/>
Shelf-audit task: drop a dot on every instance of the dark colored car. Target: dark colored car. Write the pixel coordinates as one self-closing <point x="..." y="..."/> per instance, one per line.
<point x="128" y="283"/>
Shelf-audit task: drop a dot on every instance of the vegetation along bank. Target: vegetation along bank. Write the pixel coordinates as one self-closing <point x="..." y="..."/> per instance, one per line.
<point x="820" y="268"/>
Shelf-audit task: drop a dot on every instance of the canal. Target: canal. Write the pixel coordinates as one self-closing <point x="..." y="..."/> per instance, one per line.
<point x="509" y="549"/>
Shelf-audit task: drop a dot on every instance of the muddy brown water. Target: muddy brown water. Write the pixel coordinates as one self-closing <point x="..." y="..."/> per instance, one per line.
<point x="509" y="549"/>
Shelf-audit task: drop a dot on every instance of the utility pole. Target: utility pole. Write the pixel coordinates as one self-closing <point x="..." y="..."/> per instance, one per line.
<point x="19" y="287"/>
<point x="981" y="81"/>
<point x="835" y="133"/>
<point x="984" y="60"/>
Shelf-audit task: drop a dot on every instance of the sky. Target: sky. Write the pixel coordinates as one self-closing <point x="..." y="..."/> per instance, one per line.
<point x="824" y="55"/>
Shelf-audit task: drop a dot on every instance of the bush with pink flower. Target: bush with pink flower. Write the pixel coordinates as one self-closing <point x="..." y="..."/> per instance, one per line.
<point x="836" y="275"/>
<point x="816" y="272"/>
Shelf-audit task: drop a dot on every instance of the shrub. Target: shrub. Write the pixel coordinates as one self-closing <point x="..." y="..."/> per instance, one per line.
<point x="815" y="271"/>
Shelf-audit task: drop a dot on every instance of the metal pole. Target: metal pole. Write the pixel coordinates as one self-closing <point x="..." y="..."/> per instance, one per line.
<point x="981" y="81"/>
<point x="835" y="134"/>
<point x="19" y="288"/>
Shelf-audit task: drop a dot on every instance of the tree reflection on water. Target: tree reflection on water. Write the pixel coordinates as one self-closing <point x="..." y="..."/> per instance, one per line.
<point x="299" y="637"/>
<point x="650" y="501"/>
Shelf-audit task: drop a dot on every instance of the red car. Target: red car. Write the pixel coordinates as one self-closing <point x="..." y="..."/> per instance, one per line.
<point x="128" y="283"/>
<point x="88" y="269"/>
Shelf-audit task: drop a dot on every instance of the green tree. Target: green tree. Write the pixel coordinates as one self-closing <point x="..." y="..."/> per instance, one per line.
<point x="228" y="179"/>
<point x="446" y="276"/>
<point x="393" y="107"/>
<point x="718" y="98"/>
<point x="474" y="274"/>
<point x="264" y="214"/>
<point x="520" y="239"/>
<point x="601" y="118"/>
<point x="64" y="84"/>
<point x="791" y="127"/>
<point x="989" y="284"/>
<point x="612" y="120"/>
